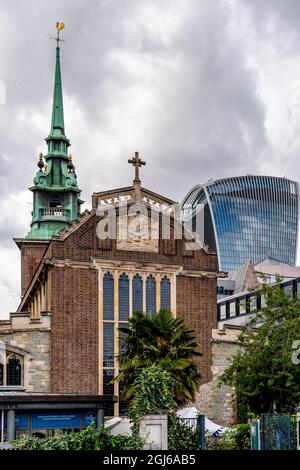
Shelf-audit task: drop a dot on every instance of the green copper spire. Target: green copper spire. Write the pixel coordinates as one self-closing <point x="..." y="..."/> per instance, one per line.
<point x="58" y="106"/>
<point x="57" y="132"/>
<point x="56" y="197"/>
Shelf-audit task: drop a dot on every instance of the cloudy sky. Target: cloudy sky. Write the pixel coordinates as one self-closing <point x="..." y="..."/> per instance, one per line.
<point x="201" y="88"/>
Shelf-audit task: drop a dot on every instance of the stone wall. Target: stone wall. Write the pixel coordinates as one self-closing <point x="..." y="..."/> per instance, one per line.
<point x="31" y="340"/>
<point x="215" y="402"/>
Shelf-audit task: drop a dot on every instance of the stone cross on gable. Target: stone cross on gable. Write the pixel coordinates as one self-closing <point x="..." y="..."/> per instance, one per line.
<point x="137" y="163"/>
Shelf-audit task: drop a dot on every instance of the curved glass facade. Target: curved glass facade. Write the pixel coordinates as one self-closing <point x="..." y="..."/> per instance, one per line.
<point x="246" y="217"/>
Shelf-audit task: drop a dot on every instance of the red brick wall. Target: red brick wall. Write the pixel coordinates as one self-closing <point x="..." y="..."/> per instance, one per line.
<point x="83" y="244"/>
<point x="196" y="303"/>
<point x="31" y="256"/>
<point x="74" y="338"/>
<point x="74" y="304"/>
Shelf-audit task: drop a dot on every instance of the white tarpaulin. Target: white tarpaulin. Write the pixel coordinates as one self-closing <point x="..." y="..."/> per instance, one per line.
<point x="123" y="426"/>
<point x="210" y="427"/>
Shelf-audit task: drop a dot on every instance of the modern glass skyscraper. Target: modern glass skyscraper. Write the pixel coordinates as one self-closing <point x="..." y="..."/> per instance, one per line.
<point x="246" y="217"/>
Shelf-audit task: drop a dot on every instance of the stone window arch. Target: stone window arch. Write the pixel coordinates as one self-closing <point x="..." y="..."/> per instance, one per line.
<point x="11" y="370"/>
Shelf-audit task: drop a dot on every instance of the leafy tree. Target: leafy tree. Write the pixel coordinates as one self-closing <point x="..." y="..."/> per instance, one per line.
<point x="163" y="341"/>
<point x="154" y="393"/>
<point x="235" y="438"/>
<point x="262" y="371"/>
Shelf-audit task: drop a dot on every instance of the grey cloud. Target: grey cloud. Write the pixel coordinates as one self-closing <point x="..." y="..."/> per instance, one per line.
<point x="169" y="79"/>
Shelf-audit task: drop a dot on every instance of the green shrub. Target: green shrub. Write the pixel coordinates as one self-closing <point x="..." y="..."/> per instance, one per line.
<point x="153" y="392"/>
<point x="235" y="438"/>
<point x="243" y="437"/>
<point x="181" y="436"/>
<point x="88" y="439"/>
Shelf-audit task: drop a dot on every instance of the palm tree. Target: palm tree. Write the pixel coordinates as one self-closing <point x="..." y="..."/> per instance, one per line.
<point x="160" y="340"/>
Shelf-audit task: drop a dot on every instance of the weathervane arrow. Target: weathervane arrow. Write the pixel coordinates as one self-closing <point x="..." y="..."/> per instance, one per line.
<point x="59" y="27"/>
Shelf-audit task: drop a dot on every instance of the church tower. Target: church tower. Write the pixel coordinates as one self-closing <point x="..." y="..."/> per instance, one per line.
<point x="56" y="196"/>
<point x="56" y="200"/>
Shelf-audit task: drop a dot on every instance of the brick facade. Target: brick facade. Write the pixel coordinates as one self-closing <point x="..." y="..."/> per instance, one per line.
<point x="74" y="301"/>
<point x="67" y="282"/>
<point x="74" y="330"/>
<point x="197" y="305"/>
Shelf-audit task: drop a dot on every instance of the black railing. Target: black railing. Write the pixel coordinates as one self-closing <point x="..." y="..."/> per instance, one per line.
<point x="250" y="303"/>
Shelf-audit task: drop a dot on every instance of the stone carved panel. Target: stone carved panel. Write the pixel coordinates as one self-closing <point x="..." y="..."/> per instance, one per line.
<point x="137" y="233"/>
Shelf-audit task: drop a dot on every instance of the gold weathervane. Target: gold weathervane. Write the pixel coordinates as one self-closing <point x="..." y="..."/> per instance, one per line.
<point x="59" y="27"/>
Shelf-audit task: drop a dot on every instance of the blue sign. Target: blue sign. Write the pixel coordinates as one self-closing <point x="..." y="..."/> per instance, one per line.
<point x="59" y="419"/>
<point x="56" y="420"/>
<point x="21" y="421"/>
<point x="88" y="418"/>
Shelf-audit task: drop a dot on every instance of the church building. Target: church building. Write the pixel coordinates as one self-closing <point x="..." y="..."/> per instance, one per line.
<point x="78" y="286"/>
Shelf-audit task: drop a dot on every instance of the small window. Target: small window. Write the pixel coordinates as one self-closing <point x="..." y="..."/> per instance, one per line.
<point x="55" y="204"/>
<point x="14" y="371"/>
<point x="11" y="370"/>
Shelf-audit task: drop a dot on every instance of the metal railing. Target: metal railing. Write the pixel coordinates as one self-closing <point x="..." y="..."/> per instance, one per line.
<point x="54" y="212"/>
<point x="246" y="304"/>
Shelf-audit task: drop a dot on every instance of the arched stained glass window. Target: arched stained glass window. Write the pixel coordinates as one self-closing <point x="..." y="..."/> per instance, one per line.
<point x="108" y="296"/>
<point x="165" y="293"/>
<point x="14" y="371"/>
<point x="150" y="295"/>
<point x="123" y="297"/>
<point x="137" y="293"/>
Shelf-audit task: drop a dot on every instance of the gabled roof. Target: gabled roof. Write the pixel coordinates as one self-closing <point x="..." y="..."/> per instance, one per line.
<point x="273" y="267"/>
<point x="129" y="191"/>
<point x="245" y="277"/>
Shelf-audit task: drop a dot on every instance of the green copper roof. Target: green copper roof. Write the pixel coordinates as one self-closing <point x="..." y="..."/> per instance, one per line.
<point x="56" y="201"/>
<point x="58" y="106"/>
